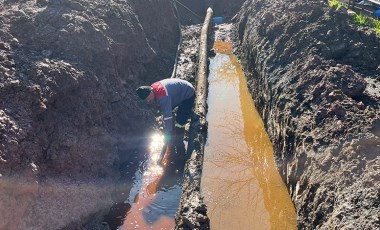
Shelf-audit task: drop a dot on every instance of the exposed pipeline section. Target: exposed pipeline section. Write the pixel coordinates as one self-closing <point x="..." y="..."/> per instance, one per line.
<point x="192" y="212"/>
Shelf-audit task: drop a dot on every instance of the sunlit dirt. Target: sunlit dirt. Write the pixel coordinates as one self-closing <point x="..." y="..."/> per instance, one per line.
<point x="240" y="182"/>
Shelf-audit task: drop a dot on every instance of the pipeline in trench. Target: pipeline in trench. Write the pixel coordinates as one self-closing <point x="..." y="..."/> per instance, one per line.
<point x="141" y="208"/>
<point x="240" y="182"/>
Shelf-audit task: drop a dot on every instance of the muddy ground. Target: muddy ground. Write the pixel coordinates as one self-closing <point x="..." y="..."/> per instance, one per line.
<point x="69" y="117"/>
<point x="314" y="76"/>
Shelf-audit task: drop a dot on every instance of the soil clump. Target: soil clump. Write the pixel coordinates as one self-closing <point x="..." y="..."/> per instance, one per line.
<point x="69" y="116"/>
<point x="314" y="77"/>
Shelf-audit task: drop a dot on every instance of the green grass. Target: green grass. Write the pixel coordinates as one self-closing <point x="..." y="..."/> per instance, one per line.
<point x="361" y="20"/>
<point x="358" y="19"/>
<point x="376" y="25"/>
<point x="335" y="3"/>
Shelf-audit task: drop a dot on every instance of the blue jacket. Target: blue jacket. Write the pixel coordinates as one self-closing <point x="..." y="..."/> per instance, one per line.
<point x="169" y="93"/>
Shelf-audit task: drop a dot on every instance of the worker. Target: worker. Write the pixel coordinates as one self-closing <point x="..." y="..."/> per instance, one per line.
<point x="170" y="93"/>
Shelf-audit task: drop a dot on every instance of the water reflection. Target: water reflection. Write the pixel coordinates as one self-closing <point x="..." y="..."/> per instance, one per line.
<point x="276" y="198"/>
<point x="156" y="191"/>
<point x="238" y="182"/>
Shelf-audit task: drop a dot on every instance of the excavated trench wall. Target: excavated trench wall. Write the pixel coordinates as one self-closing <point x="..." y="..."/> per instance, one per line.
<point x="68" y="111"/>
<point x="309" y="69"/>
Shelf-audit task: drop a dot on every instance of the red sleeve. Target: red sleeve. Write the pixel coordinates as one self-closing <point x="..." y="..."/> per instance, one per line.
<point x="159" y="90"/>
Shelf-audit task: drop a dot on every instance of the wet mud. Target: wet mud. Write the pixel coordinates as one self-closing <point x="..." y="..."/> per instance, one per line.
<point x="69" y="115"/>
<point x="70" y="123"/>
<point x="308" y="68"/>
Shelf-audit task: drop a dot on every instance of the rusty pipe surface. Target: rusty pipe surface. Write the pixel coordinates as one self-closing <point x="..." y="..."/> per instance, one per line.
<point x="192" y="212"/>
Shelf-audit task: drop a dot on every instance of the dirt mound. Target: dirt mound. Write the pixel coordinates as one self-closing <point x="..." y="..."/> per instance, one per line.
<point x="313" y="77"/>
<point x="68" y="70"/>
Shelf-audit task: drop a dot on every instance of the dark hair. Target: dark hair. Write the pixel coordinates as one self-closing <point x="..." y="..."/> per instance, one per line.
<point x="143" y="91"/>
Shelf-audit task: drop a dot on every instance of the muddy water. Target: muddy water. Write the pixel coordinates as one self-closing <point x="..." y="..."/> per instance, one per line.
<point x="240" y="182"/>
<point x="155" y="193"/>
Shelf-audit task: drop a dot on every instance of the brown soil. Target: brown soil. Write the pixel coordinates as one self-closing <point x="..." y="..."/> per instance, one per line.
<point x="69" y="116"/>
<point x="313" y="76"/>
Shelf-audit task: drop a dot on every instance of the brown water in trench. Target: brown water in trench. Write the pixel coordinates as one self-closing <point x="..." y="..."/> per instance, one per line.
<point x="240" y="181"/>
<point x="155" y="194"/>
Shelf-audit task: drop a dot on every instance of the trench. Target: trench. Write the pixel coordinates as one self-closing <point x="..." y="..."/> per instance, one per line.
<point x="241" y="186"/>
<point x="240" y="182"/>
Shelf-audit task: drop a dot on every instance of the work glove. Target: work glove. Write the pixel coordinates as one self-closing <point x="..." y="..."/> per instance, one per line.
<point x="177" y="125"/>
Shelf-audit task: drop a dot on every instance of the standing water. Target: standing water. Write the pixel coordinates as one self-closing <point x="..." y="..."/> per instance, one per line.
<point x="156" y="191"/>
<point x="240" y="182"/>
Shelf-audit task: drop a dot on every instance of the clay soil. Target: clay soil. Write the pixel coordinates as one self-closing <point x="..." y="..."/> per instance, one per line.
<point x="69" y="117"/>
<point x="314" y="76"/>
